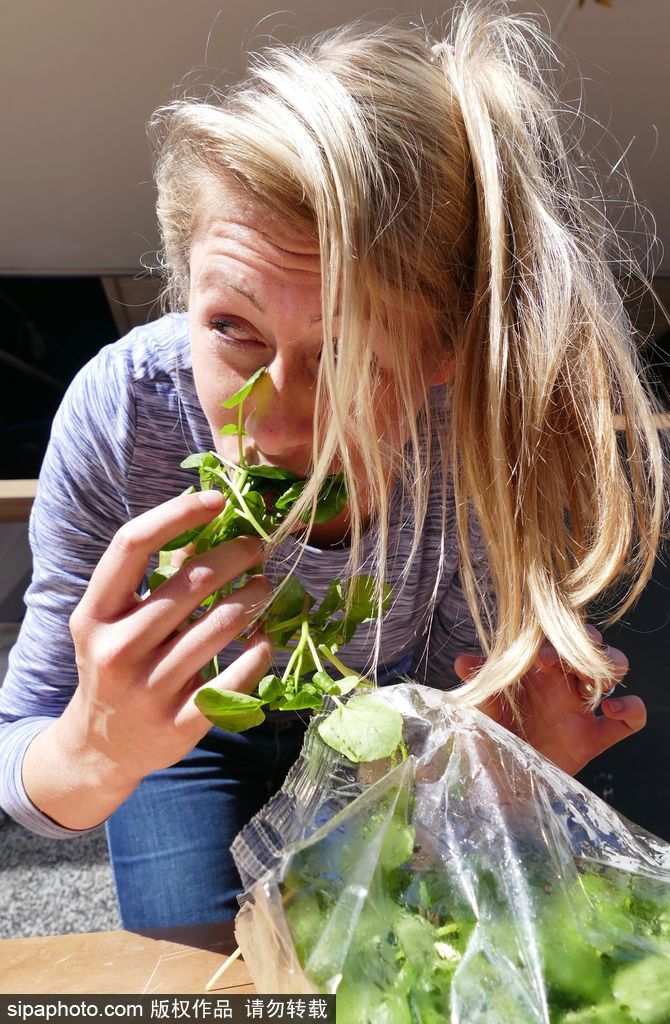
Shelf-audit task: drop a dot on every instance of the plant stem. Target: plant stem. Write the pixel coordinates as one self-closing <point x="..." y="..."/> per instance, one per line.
<point x="240" y="428"/>
<point x="310" y="642"/>
<point x="339" y="665"/>
<point x="281" y="626"/>
<point x="292" y="660"/>
<point x="248" y="515"/>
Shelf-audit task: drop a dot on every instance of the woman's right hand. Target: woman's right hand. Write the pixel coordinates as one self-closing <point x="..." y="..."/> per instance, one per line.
<point x="133" y="711"/>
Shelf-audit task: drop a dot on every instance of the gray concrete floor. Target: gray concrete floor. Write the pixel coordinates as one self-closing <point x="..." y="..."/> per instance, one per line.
<point x="51" y="886"/>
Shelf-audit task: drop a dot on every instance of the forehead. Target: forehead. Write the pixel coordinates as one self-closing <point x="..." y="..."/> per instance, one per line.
<point x="236" y="226"/>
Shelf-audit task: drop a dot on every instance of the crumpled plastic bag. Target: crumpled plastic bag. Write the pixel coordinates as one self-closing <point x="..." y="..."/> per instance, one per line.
<point x="468" y="881"/>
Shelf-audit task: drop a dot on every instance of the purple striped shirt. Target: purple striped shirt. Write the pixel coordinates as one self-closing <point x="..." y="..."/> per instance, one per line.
<point x="129" y="418"/>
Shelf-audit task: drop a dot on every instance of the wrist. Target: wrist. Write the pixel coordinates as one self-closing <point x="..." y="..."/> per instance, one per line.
<point x="84" y="733"/>
<point x="70" y="777"/>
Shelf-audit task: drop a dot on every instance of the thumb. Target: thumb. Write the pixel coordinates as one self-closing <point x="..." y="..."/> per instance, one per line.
<point x="466" y="665"/>
<point x="629" y="713"/>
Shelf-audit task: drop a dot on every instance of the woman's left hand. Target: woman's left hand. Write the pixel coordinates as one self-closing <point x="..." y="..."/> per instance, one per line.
<point x="555" y="716"/>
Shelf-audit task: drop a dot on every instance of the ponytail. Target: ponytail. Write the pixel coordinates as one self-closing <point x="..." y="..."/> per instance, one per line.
<point x="545" y="364"/>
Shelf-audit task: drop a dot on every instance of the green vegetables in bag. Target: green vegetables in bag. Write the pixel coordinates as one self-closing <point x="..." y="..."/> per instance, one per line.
<point x="421" y="928"/>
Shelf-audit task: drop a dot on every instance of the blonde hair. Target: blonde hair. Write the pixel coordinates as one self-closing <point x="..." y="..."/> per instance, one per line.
<point x="437" y="180"/>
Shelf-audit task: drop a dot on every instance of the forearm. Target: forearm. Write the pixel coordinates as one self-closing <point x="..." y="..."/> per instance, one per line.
<point x="68" y="778"/>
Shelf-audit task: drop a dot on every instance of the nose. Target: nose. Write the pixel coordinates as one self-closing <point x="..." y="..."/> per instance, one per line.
<point x="281" y="419"/>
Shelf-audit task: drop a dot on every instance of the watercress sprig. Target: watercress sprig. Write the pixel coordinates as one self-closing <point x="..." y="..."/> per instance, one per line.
<point x="258" y="499"/>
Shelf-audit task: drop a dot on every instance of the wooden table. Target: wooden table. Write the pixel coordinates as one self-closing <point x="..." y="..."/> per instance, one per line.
<point x="16" y="500"/>
<point x="165" y="960"/>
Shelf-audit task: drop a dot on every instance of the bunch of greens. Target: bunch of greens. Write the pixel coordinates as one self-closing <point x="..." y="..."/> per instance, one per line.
<point x="416" y="948"/>
<point x="258" y="500"/>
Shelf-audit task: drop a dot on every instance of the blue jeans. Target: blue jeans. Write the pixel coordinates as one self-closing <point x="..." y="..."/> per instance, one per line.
<point x="170" y="841"/>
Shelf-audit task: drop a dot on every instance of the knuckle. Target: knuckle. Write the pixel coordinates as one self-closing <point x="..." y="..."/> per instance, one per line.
<point x="76" y="623"/>
<point x="127" y="540"/>
<point x="195" y="579"/>
<point x="258" y="589"/>
<point x="113" y="650"/>
<point x="229" y="617"/>
<point x="250" y="548"/>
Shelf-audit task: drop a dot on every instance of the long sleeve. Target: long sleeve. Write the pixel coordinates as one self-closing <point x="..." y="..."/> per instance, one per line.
<point x="78" y="508"/>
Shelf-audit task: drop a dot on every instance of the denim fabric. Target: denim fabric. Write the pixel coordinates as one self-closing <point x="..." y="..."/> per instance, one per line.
<point x="170" y="841"/>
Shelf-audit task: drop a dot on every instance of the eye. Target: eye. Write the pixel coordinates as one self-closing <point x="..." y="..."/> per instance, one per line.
<point x="232" y="330"/>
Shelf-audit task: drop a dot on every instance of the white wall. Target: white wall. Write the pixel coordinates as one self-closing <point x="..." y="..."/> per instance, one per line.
<point x="79" y="79"/>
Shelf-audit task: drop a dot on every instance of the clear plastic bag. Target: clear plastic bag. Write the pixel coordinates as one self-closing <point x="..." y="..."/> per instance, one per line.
<point x="469" y="881"/>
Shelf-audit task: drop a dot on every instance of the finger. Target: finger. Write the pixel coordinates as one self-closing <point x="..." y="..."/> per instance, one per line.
<point x="622" y="717"/>
<point x="186" y="654"/>
<point x="169" y="606"/>
<point x="466" y="665"/>
<point x="111" y="591"/>
<point x="548" y="656"/>
<point x="618" y="663"/>
<point x="595" y="634"/>
<point x="561" y="691"/>
<point x="243" y="676"/>
<point x="629" y="712"/>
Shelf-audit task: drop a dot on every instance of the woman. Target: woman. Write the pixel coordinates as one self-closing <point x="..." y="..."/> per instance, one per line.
<point x="392" y="227"/>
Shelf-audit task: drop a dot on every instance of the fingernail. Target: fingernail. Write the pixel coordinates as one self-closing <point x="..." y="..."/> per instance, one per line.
<point x="615" y="704"/>
<point x="211" y="499"/>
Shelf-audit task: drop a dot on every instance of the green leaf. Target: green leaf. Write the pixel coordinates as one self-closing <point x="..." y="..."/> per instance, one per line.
<point x="338" y="632"/>
<point x="289" y="602"/>
<point x="331" y="603"/>
<point x="245" y="390"/>
<point x="255" y="504"/>
<point x="364" y="729"/>
<point x="361" y="591"/>
<point x="211" y="471"/>
<point x="290" y="496"/>
<point x="269" y="688"/>
<point x="195" y="461"/>
<point x="323" y="681"/>
<point x="229" y="710"/>
<point x="307" y="697"/>
<point x="331" y="500"/>
<point x="210" y="671"/>
<point x="643" y="988"/>
<point x="183" y="539"/>
<point x="232" y="428"/>
<point x="338" y="687"/>
<point x="160" y="575"/>
<point x="271" y="473"/>
<point x="347" y="684"/>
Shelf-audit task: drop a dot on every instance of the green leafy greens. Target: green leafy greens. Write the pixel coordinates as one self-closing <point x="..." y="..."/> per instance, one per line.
<point x="603" y="939"/>
<point x="258" y="499"/>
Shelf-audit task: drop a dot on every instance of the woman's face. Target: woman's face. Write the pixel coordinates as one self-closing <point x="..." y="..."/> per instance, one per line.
<point x="255" y="300"/>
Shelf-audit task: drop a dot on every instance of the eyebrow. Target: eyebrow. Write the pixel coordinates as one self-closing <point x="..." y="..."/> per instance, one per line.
<point x="209" y="281"/>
